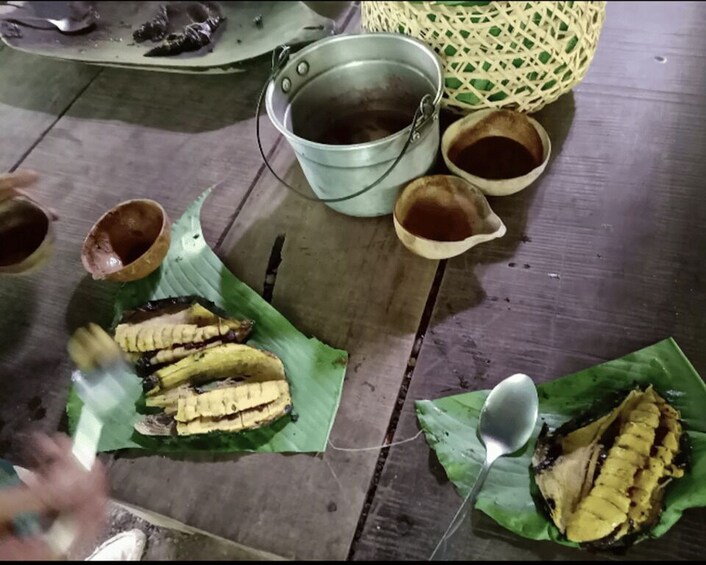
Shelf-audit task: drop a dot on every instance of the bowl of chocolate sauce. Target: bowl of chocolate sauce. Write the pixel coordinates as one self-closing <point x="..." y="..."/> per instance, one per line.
<point x="499" y="151"/>
<point x="441" y="216"/>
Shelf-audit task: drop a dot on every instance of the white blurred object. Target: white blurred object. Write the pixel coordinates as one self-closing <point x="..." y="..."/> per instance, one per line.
<point x="126" y="546"/>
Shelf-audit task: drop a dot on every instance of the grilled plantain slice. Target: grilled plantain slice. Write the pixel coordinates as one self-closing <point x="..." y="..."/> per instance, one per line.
<point x="152" y="337"/>
<point x="606" y="506"/>
<point x="168" y="400"/>
<point x="226" y="401"/>
<point x="170" y="322"/>
<point x="226" y="406"/>
<point x="245" y="420"/>
<point x="147" y="363"/>
<point x="227" y="360"/>
<point x="174" y="354"/>
<point x="603" y="479"/>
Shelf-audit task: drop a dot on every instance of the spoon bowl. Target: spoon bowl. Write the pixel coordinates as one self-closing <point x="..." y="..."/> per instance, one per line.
<point x="509" y="414"/>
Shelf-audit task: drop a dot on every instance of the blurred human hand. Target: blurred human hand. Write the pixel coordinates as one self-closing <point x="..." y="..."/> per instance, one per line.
<point x="63" y="485"/>
<point x="11" y="184"/>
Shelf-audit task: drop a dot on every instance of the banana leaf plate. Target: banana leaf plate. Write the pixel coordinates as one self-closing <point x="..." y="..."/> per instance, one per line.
<point x="110" y="43"/>
<point x="449" y="425"/>
<point x="314" y="370"/>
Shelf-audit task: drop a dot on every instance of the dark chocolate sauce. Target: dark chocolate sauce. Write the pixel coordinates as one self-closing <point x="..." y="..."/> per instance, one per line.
<point x="494" y="158"/>
<point x="431" y="220"/>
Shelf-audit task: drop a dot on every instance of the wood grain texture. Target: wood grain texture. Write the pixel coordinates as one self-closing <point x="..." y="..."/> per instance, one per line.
<point x="131" y="134"/>
<point x="603" y="256"/>
<point x="349" y="282"/>
<point x="30" y="102"/>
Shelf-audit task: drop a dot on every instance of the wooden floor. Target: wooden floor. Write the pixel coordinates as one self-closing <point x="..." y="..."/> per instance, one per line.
<point x="617" y="220"/>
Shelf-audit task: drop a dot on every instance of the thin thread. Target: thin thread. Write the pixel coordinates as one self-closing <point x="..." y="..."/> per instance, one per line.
<point x="335" y="476"/>
<point x="394" y="443"/>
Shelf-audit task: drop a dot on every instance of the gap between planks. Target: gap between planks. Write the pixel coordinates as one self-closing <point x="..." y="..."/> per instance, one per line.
<point x="399" y="404"/>
<point x="270" y="279"/>
<point x="269" y="282"/>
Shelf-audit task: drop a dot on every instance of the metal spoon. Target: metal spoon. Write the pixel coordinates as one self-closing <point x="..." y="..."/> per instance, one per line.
<point x="64" y="25"/>
<point x="507" y="421"/>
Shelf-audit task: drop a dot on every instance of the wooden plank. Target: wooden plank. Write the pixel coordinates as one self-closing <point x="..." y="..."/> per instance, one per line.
<point x="169" y="540"/>
<point x="34" y="91"/>
<point x="603" y="256"/>
<point x="131" y="134"/>
<point x="349" y="282"/>
<point x="168" y="137"/>
<point x="642" y="40"/>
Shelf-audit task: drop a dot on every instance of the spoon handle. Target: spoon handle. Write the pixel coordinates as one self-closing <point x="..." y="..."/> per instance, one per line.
<point x="27" y="21"/>
<point x="462" y="512"/>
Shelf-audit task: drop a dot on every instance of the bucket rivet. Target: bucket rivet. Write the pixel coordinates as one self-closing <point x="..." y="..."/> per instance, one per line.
<point x="303" y="68"/>
<point x="286" y="84"/>
<point x="416" y="135"/>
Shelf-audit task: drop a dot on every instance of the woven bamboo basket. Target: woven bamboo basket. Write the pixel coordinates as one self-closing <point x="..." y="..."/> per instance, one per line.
<point x="520" y="55"/>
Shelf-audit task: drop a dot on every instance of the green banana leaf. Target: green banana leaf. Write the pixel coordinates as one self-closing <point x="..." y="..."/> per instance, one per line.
<point x="315" y="371"/>
<point x="450" y="426"/>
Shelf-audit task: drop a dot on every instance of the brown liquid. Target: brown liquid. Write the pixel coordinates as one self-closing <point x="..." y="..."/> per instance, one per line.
<point x="20" y="239"/>
<point x="135" y="252"/>
<point x="431" y="220"/>
<point x="131" y="244"/>
<point x="364" y="126"/>
<point x="494" y="158"/>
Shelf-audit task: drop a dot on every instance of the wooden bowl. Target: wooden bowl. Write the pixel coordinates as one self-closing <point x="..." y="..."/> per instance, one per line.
<point x="128" y="242"/>
<point x="26" y="234"/>
<point x="499" y="151"/>
<point x="441" y="216"/>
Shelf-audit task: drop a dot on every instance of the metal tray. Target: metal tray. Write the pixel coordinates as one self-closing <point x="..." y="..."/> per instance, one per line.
<point x="111" y="43"/>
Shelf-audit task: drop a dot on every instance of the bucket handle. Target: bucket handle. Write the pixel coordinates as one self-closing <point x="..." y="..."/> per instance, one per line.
<point x="421" y="115"/>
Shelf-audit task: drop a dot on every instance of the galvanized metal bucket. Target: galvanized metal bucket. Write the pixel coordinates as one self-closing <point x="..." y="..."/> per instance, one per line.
<point x="361" y="114"/>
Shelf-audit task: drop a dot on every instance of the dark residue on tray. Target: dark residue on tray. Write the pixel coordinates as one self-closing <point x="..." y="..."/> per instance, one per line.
<point x="10" y="30"/>
<point x="194" y="36"/>
<point x="154" y="29"/>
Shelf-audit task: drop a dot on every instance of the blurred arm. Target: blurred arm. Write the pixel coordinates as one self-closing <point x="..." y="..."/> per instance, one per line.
<point x="18" y="500"/>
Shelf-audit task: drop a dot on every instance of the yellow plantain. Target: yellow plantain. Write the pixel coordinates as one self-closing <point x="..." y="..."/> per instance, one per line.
<point x="229" y="400"/>
<point x="227" y="360"/>
<point x="245" y="420"/>
<point x="606" y="479"/>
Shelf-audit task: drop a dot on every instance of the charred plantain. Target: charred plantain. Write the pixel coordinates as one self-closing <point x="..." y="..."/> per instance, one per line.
<point x="226" y="407"/>
<point x="192" y="38"/>
<point x="195" y="370"/>
<point x="168" y="400"/>
<point x="184" y="321"/>
<point x="227" y="360"/>
<point x="226" y="401"/>
<point x="154" y="29"/>
<point x="603" y="480"/>
<point x="149" y="362"/>
<point x="247" y="419"/>
<point x="156" y="337"/>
